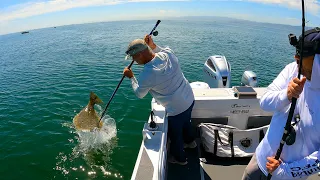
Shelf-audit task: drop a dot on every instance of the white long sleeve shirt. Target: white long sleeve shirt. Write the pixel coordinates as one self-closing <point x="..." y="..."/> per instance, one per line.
<point x="163" y="78"/>
<point x="276" y="99"/>
<point x="302" y="158"/>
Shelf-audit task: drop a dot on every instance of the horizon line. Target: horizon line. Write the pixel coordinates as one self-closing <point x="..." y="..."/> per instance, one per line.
<point x="165" y="18"/>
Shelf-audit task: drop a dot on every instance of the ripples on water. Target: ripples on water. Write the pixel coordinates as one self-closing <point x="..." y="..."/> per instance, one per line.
<point x="94" y="148"/>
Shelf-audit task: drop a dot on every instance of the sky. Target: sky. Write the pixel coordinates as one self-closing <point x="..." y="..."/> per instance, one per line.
<point x="21" y="15"/>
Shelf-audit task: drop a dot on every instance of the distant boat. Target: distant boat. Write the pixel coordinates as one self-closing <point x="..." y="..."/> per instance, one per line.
<point x="24" y="32"/>
<point x="54" y="27"/>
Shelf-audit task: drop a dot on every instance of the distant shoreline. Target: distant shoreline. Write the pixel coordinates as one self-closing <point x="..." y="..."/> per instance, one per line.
<point x="191" y="18"/>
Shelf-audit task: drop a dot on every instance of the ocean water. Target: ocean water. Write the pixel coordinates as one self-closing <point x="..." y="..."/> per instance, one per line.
<point x="46" y="77"/>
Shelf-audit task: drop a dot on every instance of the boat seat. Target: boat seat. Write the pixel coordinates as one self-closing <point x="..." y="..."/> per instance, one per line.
<point x="216" y="120"/>
<point x="258" y="121"/>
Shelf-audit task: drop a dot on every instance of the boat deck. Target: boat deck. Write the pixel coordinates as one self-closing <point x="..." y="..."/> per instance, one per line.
<point x="202" y="166"/>
<point x="218" y="106"/>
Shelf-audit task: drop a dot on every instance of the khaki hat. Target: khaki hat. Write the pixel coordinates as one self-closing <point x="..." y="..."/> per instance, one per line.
<point x="136" y="46"/>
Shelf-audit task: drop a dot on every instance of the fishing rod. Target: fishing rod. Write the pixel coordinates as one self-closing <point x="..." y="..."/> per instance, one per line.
<point x="286" y="137"/>
<point x="153" y="32"/>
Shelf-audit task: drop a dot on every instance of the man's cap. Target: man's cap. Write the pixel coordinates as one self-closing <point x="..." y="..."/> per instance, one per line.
<point x="311" y="43"/>
<point x="312" y="34"/>
<point x="136" y="46"/>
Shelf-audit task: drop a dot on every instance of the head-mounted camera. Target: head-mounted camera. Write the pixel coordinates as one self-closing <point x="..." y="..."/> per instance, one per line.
<point x="293" y="40"/>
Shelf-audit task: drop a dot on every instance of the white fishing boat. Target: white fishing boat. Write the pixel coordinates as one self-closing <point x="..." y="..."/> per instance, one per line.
<point x="216" y="102"/>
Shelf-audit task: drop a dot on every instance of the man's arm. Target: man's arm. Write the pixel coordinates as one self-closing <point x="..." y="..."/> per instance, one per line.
<point x="301" y="168"/>
<point x="140" y="88"/>
<point x="276" y="97"/>
<point x="155" y="48"/>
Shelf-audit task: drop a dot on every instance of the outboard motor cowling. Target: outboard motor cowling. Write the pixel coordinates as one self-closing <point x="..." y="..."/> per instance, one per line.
<point x="249" y="78"/>
<point x="199" y="85"/>
<point x="217" y="72"/>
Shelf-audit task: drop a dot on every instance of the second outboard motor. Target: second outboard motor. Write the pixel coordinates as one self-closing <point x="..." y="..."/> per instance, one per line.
<point x="217" y="72"/>
<point x="249" y="78"/>
<point x="199" y="85"/>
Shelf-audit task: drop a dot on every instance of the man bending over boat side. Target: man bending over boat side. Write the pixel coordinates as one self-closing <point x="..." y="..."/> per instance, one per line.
<point x="301" y="159"/>
<point x="163" y="79"/>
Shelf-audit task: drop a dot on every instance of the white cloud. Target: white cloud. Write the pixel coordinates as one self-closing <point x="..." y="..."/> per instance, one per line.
<point x="43" y="7"/>
<point x="167" y="12"/>
<point x="312" y="6"/>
